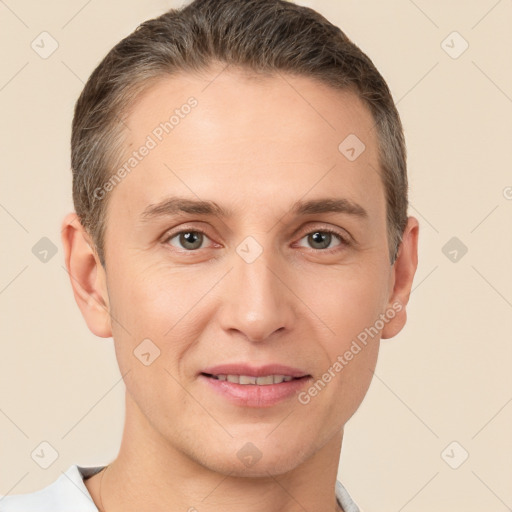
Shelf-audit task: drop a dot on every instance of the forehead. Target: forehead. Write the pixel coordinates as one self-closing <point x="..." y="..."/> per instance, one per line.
<point x="265" y="135"/>
<point x="231" y="101"/>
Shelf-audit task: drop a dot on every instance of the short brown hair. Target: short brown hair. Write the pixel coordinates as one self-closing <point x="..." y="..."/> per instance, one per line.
<point x="262" y="36"/>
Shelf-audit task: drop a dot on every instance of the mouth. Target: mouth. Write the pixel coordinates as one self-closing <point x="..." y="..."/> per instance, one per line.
<point x="263" y="380"/>
<point x="247" y="386"/>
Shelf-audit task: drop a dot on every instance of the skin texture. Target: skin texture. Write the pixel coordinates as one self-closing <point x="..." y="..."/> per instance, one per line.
<point x="253" y="146"/>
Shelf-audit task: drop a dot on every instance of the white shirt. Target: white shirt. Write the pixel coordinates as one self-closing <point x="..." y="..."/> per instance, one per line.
<point x="69" y="494"/>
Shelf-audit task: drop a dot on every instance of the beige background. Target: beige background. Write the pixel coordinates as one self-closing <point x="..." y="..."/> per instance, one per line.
<point x="447" y="377"/>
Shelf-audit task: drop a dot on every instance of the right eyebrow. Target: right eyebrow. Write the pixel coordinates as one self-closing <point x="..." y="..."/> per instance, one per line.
<point x="177" y="205"/>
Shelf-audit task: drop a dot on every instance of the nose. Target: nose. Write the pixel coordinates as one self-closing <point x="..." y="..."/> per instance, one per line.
<point x="258" y="302"/>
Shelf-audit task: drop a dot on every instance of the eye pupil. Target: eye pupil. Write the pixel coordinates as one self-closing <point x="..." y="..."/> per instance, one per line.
<point x="191" y="237"/>
<point x="322" y="238"/>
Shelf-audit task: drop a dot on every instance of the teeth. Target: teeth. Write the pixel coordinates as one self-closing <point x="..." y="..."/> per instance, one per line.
<point x="259" y="381"/>
<point x="268" y="379"/>
<point x="244" y="379"/>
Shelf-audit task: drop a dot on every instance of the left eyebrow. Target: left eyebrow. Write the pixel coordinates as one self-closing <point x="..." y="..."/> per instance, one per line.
<point x="329" y="205"/>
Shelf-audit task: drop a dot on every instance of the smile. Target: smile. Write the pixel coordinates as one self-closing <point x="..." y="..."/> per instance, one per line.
<point x="264" y="380"/>
<point x="260" y="391"/>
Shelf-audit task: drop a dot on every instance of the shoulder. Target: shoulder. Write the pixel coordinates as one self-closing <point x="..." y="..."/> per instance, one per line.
<point x="66" y="493"/>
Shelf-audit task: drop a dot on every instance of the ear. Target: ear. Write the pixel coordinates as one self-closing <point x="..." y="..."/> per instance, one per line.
<point x="87" y="275"/>
<point x="401" y="278"/>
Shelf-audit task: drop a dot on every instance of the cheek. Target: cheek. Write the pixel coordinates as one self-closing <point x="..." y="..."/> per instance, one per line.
<point x="151" y="297"/>
<point x="348" y="306"/>
<point x="346" y="301"/>
<point x="164" y="305"/>
<point x="151" y="329"/>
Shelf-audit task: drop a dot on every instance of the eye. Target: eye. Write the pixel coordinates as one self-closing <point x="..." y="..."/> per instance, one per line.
<point x="321" y="239"/>
<point x="190" y="240"/>
<point x="325" y="240"/>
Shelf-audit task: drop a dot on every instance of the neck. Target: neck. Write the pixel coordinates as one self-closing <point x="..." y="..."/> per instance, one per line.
<point x="150" y="473"/>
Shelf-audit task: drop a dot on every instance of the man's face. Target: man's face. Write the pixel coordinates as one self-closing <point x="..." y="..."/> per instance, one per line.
<point x="264" y="283"/>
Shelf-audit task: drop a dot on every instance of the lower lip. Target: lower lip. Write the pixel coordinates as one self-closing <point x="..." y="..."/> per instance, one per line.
<point x="252" y="395"/>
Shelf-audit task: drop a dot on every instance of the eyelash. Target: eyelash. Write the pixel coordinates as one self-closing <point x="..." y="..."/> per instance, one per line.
<point x="344" y="241"/>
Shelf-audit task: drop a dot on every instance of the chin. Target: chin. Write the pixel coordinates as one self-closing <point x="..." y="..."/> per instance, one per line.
<point x="257" y="458"/>
<point x="261" y="469"/>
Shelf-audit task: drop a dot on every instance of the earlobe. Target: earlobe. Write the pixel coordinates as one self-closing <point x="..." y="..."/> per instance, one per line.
<point x="87" y="276"/>
<point x="404" y="269"/>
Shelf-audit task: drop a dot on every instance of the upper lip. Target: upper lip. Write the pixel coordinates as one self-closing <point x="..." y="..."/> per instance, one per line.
<point x="254" y="371"/>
